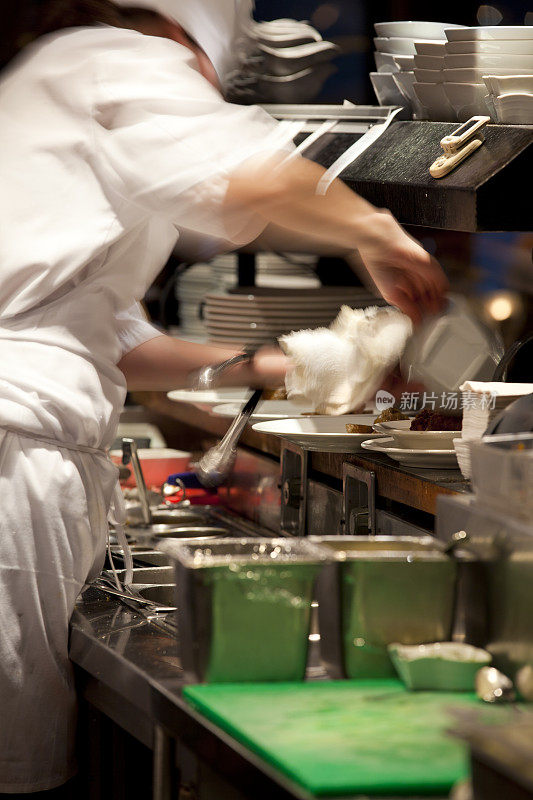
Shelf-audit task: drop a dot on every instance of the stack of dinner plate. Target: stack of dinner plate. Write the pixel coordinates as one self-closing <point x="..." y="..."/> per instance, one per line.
<point x="259" y="315"/>
<point x="452" y="86"/>
<point x="291" y="272"/>
<point x="282" y="61"/>
<point x="397" y="45"/>
<point x="191" y="288"/>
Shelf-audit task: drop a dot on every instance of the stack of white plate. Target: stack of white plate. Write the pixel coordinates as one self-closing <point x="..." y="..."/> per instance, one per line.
<point x="283" y="61"/>
<point x="397" y="45"/>
<point x="452" y="86"/>
<point x="296" y="271"/>
<point x="191" y="288"/>
<point x="260" y="315"/>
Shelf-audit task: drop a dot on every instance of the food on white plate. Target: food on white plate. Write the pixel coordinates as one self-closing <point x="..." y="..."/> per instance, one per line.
<point x="436" y="421"/>
<point x="353" y="428"/>
<point x="389" y="415"/>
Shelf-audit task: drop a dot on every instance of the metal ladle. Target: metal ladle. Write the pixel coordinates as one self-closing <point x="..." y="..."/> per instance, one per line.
<point x="492" y="686"/>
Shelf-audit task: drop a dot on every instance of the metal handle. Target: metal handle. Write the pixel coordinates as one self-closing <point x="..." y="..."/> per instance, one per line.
<point x="130" y="453"/>
<point x="215" y="465"/>
<point x="208" y="377"/>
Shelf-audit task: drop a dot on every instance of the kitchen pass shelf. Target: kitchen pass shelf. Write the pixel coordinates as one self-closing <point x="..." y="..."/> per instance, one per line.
<point x="339" y="738"/>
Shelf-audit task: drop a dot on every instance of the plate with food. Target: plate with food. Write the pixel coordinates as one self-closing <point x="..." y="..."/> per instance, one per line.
<point x="429" y="430"/>
<point x="323" y="434"/>
<point x="413" y="456"/>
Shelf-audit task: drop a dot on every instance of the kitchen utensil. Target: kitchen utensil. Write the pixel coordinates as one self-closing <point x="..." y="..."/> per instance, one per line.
<point x="380" y="590"/>
<point x="207" y="378"/>
<point x="244" y="607"/>
<point x="130" y="453"/>
<point x="492" y="686"/>
<point x="344" y="738"/>
<point x="215" y="466"/>
<point x="440" y="666"/>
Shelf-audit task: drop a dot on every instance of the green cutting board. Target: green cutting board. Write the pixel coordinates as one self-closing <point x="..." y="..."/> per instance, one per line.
<point x="344" y="737"/>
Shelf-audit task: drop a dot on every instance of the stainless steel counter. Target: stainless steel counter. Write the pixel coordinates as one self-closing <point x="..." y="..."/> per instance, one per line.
<point x="128" y="669"/>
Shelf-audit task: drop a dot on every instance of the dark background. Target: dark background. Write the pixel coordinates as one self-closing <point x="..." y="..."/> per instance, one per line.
<point x="349" y="23"/>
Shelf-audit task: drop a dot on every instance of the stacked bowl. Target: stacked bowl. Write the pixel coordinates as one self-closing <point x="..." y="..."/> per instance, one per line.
<point x="258" y="316"/>
<point x="283" y="61"/>
<point x="452" y="86"/>
<point x="397" y="46"/>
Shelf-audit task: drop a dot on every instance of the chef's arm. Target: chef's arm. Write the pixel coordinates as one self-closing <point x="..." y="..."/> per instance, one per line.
<point x="285" y="195"/>
<point x="163" y="363"/>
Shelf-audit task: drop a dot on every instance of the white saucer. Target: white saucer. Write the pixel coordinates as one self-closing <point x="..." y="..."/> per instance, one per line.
<point x="410" y="457"/>
<point x="322" y="434"/>
<point x="207" y="399"/>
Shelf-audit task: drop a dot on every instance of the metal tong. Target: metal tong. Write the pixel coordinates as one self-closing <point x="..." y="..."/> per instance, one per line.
<point x="215" y="466"/>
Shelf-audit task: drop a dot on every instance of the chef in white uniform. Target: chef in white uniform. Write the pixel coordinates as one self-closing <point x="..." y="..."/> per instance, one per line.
<point x="110" y="141"/>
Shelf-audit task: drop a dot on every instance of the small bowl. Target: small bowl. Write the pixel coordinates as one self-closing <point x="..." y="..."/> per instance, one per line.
<point x="488" y="62"/>
<point x="385" y="62"/>
<point x="400" y="45"/>
<point x="467" y="99"/>
<point x="440" y="666"/>
<point x="429" y="75"/>
<point x="416" y="440"/>
<point x="429" y="62"/>
<point x="476" y="75"/>
<point x="433" y="97"/>
<point x="514" y="47"/>
<point x="429" y="48"/>
<point x="405" y="63"/>
<point x="386" y="89"/>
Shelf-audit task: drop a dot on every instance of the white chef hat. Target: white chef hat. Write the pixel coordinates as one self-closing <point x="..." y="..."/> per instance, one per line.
<point x="214" y="24"/>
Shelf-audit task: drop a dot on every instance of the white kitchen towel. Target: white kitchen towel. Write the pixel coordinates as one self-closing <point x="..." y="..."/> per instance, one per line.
<point x="339" y="368"/>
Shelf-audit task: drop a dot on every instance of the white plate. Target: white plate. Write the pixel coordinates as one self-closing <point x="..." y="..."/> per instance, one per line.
<point x="429" y="62"/>
<point x="508" y="84"/>
<point x="207" y="399"/>
<point x="322" y="434"/>
<point x="458" y="34"/>
<point x="476" y="75"/>
<point x="429" y="48"/>
<point x="400" y="431"/>
<point x="268" y="409"/>
<point x="409" y="457"/>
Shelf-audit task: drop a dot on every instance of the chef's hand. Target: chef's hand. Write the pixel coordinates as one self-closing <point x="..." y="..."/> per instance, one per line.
<point x="269" y="367"/>
<point x="405" y="274"/>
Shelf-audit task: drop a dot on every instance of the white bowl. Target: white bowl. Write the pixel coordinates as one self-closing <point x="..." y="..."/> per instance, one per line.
<point x="405" y="83"/>
<point x="385" y="62"/>
<point x="491" y="46"/>
<point x="430" y="48"/>
<point x="429" y="62"/>
<point x="396" y="44"/>
<point x="514" y="109"/>
<point x="429" y="75"/>
<point x="459" y="34"/>
<point x="416" y="440"/>
<point x="467" y="99"/>
<point x="415" y="30"/>
<point x="405" y="63"/>
<point x="433" y="98"/>
<point x="508" y="84"/>
<point x="487" y="61"/>
<point x="476" y="75"/>
<point x="387" y="92"/>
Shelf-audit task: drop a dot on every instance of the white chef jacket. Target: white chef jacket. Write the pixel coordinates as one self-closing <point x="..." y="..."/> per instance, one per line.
<point x="109" y="142"/>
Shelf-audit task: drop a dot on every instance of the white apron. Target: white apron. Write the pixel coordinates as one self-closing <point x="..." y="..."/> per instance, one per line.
<point x="109" y="142"/>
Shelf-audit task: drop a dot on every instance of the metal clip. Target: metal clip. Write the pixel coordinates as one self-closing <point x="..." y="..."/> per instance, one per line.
<point x="458" y="146"/>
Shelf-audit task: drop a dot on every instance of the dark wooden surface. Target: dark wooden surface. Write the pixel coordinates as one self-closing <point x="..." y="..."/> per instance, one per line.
<point x="482" y="193"/>
<point x="188" y="427"/>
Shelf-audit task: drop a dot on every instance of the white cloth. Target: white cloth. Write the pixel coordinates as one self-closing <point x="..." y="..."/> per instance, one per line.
<point x="109" y="142"/>
<point x="215" y="24"/>
<point x="337" y="369"/>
